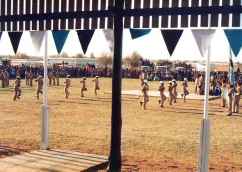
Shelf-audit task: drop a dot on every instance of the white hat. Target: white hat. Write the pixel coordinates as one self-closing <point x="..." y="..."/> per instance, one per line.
<point x="185" y="79"/>
<point x="161" y="82"/>
<point x="145" y="81"/>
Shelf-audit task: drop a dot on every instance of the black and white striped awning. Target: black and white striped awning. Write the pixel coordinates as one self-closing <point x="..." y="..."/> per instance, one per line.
<point x="20" y="15"/>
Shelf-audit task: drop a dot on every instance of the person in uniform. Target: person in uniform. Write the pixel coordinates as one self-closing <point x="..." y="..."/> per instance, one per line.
<point x="17" y="88"/>
<point x="237" y="98"/>
<point x="185" y="89"/>
<point x="170" y="91"/>
<point x="174" y="90"/>
<point x="31" y="78"/>
<point x="6" y="78"/>
<point x="40" y="84"/>
<point x="96" y="87"/>
<point x="161" y="89"/>
<point x="223" y="93"/>
<point x="67" y="86"/>
<point x="2" y="79"/>
<point x="212" y="85"/>
<point x="27" y="78"/>
<point x="84" y="88"/>
<point x="142" y="77"/>
<point x="201" y="85"/>
<point x="196" y="85"/>
<point x="50" y="77"/>
<point x="57" y="77"/>
<point x="145" y="97"/>
<point x="54" y="77"/>
<point x="230" y="99"/>
<point x="17" y="72"/>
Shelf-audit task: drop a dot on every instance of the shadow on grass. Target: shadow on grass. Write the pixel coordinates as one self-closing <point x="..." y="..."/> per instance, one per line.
<point x="187" y="111"/>
<point x="90" y="100"/>
<point x="236" y="115"/>
<point x="10" y="151"/>
<point x="181" y="111"/>
<point x="44" y="160"/>
<point x="99" y="167"/>
<point x="107" y="99"/>
<point x="72" y="102"/>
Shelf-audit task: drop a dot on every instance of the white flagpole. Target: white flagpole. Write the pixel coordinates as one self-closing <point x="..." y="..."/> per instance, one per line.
<point x="205" y="127"/>
<point x="207" y="83"/>
<point x="231" y="69"/>
<point x="45" y="127"/>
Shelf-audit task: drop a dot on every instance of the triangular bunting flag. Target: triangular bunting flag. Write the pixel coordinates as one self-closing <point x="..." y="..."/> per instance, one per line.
<point x="109" y="37"/>
<point x="171" y="38"/>
<point x="203" y="39"/>
<point x="136" y="33"/>
<point x="85" y="37"/>
<point x="60" y="39"/>
<point x="15" y="39"/>
<point x="37" y="38"/>
<point x="234" y="37"/>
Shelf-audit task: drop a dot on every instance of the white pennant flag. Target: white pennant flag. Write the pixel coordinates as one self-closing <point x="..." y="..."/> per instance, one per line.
<point x="37" y="38"/>
<point x="108" y="33"/>
<point x="203" y="39"/>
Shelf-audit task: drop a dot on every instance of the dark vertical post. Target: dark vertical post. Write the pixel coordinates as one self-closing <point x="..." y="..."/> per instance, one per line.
<point x="115" y="149"/>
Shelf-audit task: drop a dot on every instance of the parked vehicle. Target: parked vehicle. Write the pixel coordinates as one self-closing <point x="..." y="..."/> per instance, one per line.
<point x="162" y="73"/>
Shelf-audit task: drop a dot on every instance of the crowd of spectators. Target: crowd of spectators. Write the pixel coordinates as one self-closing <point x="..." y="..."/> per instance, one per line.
<point x="74" y="72"/>
<point x="8" y="72"/>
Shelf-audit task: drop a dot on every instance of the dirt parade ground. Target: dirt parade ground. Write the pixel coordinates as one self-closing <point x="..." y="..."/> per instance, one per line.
<point x="157" y="139"/>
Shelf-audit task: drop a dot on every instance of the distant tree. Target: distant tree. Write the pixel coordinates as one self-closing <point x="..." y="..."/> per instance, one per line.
<point x="11" y="57"/>
<point x="92" y="56"/>
<point x="133" y="61"/>
<point x="79" y="56"/>
<point x="21" y="56"/>
<point x="163" y="63"/>
<point x="64" y="55"/>
<point x="105" y="60"/>
<point x="126" y="61"/>
<point x="54" y="56"/>
<point x="183" y="64"/>
<point x="17" y="56"/>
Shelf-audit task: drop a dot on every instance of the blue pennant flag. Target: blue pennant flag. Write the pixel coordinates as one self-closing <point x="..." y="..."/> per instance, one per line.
<point x="60" y="39"/>
<point x="15" y="39"/>
<point x="136" y="33"/>
<point x="234" y="37"/>
<point x="171" y="38"/>
<point x="85" y="37"/>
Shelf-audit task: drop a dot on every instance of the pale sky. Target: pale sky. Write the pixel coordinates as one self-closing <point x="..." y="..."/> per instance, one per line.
<point x="151" y="46"/>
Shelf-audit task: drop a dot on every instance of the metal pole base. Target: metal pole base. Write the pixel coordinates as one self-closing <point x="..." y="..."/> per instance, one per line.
<point x="204" y="146"/>
<point x="45" y="128"/>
